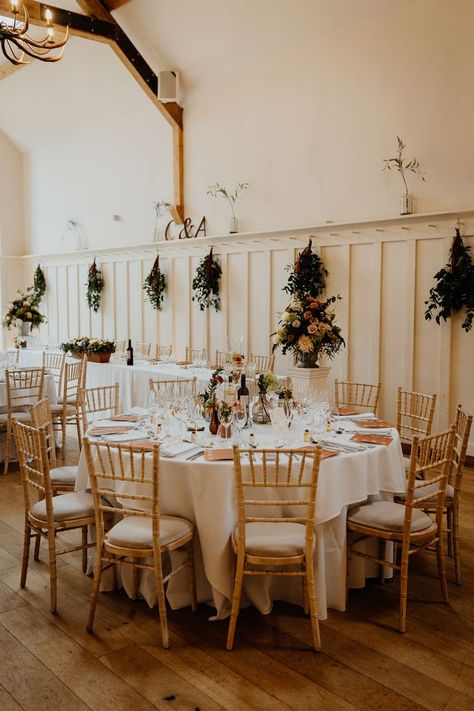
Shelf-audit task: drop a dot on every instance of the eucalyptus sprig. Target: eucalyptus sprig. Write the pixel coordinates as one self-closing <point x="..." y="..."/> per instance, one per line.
<point x="95" y="286"/>
<point x="206" y="283"/>
<point x="307" y="275"/>
<point x="231" y="197"/>
<point x="455" y="286"/>
<point x="39" y="285"/>
<point x="398" y="163"/>
<point x="155" y="285"/>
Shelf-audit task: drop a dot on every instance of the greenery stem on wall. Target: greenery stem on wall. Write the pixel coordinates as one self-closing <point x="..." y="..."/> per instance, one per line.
<point x="402" y="166"/>
<point x="206" y="283"/>
<point x="39" y="284"/>
<point x="95" y="286"/>
<point x="454" y="289"/>
<point x="307" y="275"/>
<point x="155" y="285"/>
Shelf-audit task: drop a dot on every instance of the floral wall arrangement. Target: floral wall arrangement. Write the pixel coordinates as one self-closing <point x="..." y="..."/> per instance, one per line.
<point x="39" y="284"/>
<point x="155" y="285"/>
<point x="206" y="283"/>
<point x="95" y="286"/>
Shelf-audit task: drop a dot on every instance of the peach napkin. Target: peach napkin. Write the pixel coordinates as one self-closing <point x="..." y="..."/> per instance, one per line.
<point x="372" y="438"/>
<point x="107" y="430"/>
<point x="372" y="424"/>
<point x="124" y="418"/>
<point x="347" y="411"/>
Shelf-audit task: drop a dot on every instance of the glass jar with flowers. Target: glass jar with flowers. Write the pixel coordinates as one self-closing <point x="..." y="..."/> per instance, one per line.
<point x="307" y="330"/>
<point x="261" y="408"/>
<point x="209" y="400"/>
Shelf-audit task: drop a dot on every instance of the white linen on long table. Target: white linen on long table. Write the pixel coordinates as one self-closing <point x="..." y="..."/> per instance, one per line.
<point x="203" y="492"/>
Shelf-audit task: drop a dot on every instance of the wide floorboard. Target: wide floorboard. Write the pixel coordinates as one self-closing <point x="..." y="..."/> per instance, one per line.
<point x="49" y="661"/>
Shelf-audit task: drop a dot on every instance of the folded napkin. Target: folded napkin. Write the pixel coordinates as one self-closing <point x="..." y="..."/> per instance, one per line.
<point x="354" y="414"/>
<point x="373" y="424"/>
<point x="345" y="411"/>
<point x="127" y="436"/>
<point x="99" y="431"/>
<point x="124" y="418"/>
<point x="173" y="450"/>
<point x="372" y="438"/>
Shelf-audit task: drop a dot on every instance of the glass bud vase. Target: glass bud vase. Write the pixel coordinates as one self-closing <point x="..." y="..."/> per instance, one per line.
<point x="261" y="410"/>
<point x="406" y="204"/>
<point x="234" y="225"/>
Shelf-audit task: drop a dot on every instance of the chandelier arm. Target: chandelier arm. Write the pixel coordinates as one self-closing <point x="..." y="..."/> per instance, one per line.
<point x="45" y="43"/>
<point x="9" y="52"/>
<point x="15" y="37"/>
<point x="31" y="52"/>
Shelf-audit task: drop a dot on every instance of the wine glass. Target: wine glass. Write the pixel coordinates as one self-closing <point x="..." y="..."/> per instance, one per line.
<point x="224" y="415"/>
<point x="240" y="418"/>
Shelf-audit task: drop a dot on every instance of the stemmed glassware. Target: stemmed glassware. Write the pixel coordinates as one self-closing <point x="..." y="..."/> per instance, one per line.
<point x="240" y="419"/>
<point x="224" y="415"/>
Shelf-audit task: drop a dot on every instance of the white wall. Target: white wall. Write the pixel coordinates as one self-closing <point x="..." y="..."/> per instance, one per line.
<point x="11" y="198"/>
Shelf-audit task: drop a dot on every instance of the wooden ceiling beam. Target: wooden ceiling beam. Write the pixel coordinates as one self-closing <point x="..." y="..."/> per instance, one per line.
<point x="114" y="4"/>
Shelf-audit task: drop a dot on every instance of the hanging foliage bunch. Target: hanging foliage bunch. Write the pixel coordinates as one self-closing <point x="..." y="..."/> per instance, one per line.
<point x="206" y="283"/>
<point x="455" y="286"/>
<point x="39" y="285"/>
<point x="155" y="285"/>
<point x="95" y="286"/>
<point x="307" y="276"/>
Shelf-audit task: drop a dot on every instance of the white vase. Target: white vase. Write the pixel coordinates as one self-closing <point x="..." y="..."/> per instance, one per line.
<point x="24" y="328"/>
<point x="406" y="204"/>
<point x="234" y="225"/>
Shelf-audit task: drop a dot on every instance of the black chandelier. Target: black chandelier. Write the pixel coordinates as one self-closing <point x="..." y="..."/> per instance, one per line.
<point x="19" y="48"/>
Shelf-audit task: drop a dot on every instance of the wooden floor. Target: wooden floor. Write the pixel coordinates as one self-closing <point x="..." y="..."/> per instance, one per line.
<point x="50" y="662"/>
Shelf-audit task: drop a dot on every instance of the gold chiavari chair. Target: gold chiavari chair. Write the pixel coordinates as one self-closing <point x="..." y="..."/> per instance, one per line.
<point x="142" y="349"/>
<point x="262" y="362"/>
<point x="53" y="362"/>
<point x="104" y="400"/>
<point x="24" y="387"/>
<point x="405" y="525"/>
<point x="276" y="544"/>
<point x="67" y="410"/>
<point x="120" y="346"/>
<point x="62" y="478"/>
<point x="162" y="351"/>
<point x="363" y="396"/>
<point x="192" y="354"/>
<point x="462" y="426"/>
<point x="180" y="386"/>
<point x="220" y="359"/>
<point x="415" y="413"/>
<point x="140" y="534"/>
<point x="49" y="515"/>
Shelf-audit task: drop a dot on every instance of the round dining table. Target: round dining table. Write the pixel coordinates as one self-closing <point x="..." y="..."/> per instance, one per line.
<point x="203" y="492"/>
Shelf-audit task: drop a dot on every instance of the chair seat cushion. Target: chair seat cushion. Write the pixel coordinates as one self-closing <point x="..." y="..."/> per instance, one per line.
<point x="136" y="531"/>
<point x="388" y="516"/>
<point x="278" y="540"/>
<point x="66" y="507"/>
<point x="59" y="409"/>
<point x="63" y="475"/>
<point x="427" y="490"/>
<point x="19" y="415"/>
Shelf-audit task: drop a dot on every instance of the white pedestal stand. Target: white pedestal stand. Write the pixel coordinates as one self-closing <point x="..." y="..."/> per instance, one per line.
<point x="310" y="380"/>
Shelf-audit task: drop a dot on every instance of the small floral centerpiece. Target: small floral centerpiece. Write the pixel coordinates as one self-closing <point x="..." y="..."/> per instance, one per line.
<point x="307" y="329"/>
<point x="97" y="350"/>
<point x="209" y="401"/>
<point x="237" y="359"/>
<point x="261" y="410"/>
<point x="267" y="382"/>
<point x="23" y="313"/>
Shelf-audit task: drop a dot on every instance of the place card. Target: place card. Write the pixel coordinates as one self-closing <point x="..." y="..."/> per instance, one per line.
<point x="216" y="455"/>
<point x="372" y="438"/>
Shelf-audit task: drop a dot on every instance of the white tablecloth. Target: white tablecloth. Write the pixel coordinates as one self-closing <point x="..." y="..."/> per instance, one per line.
<point x="203" y="492"/>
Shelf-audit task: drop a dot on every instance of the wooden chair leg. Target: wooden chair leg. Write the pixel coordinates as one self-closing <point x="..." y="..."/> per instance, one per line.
<point x="53" y="576"/>
<point x="313" y="605"/>
<point x="36" y="554"/>
<point x="160" y="593"/>
<point x="442" y="569"/>
<point x="349" y="544"/>
<point x="403" y="588"/>
<point x="382" y="556"/>
<point x="239" y="576"/>
<point x="450" y="531"/>
<point x="85" y="549"/>
<point x="305" y="596"/>
<point x="135" y="580"/>
<point x="26" y="554"/>
<point x="456" y="550"/>
<point x="7" y="448"/>
<point x="192" y="575"/>
<point x="95" y="588"/>
<point x="63" y="436"/>
<point x="78" y="429"/>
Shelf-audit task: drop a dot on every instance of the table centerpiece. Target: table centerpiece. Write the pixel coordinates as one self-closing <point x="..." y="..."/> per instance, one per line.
<point x="23" y="313"/>
<point x="97" y="350"/>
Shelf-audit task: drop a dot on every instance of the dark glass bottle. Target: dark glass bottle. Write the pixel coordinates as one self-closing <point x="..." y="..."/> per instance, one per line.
<point x="129" y="352"/>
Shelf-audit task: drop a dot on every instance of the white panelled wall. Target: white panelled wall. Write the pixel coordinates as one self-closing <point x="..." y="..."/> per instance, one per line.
<point x="382" y="270"/>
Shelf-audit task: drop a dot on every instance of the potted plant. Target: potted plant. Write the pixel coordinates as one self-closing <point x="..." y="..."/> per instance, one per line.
<point x="307" y="329"/>
<point x="217" y="190"/>
<point x="398" y="163"/>
<point x="97" y="350"/>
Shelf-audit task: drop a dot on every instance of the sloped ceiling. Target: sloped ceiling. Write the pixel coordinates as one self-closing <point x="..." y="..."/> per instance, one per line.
<point x="205" y="40"/>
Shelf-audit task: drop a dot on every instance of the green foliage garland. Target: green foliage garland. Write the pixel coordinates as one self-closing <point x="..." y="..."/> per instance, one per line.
<point x="155" y="285"/>
<point x="455" y="286"/>
<point x="307" y="276"/>
<point x="206" y="283"/>
<point x="95" y="286"/>
<point x="39" y="285"/>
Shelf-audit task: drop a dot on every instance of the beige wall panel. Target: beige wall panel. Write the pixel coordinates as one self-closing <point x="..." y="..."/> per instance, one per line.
<point x="280" y="258"/>
<point x="198" y="317"/>
<point x="149" y="332"/>
<point x="130" y="319"/>
<point x="165" y="316"/>
<point x="181" y="296"/>
<point x="84" y="312"/>
<point x="73" y="291"/>
<point x="52" y="304"/>
<point x="217" y="320"/>
<point x="259" y="303"/>
<point x="337" y="262"/>
<point x="111" y="294"/>
<point x="364" y="318"/>
<point x="237" y="297"/>
<point x="393" y="310"/>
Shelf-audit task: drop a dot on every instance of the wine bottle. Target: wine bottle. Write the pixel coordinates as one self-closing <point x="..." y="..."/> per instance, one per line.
<point x="243" y="396"/>
<point x="129" y="352"/>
